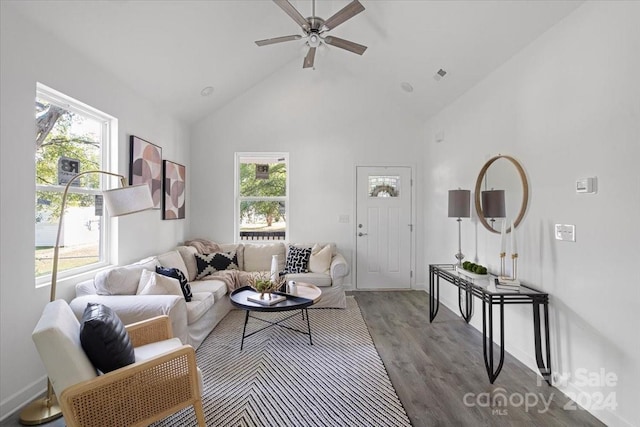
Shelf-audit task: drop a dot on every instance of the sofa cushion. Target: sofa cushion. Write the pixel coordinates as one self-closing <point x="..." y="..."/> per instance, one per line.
<point x="104" y="338"/>
<point x="320" y="259"/>
<point x="199" y="305"/>
<point x="218" y="261"/>
<point x="172" y="259"/>
<point x="152" y="283"/>
<point x="318" y="279"/>
<point x="258" y="257"/>
<point x="213" y="286"/>
<point x="297" y="260"/>
<point x="187" y="253"/>
<point x="148" y="351"/>
<point x="180" y="276"/>
<point x="122" y="280"/>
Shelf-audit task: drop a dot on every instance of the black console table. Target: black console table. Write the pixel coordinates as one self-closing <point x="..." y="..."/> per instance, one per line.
<point x="487" y="292"/>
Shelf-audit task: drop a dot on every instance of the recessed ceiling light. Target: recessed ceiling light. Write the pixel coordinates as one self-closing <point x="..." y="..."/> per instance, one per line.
<point x="207" y="91"/>
<point x="406" y="86"/>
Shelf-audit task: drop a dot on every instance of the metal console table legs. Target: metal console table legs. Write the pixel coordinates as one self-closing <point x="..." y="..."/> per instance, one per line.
<point x="490" y="297"/>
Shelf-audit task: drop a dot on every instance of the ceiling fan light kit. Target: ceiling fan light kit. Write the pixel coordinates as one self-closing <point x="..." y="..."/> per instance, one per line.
<point x="314" y="29"/>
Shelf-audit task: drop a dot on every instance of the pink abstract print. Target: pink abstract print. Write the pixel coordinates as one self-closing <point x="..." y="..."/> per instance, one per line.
<point x="146" y="167"/>
<point x="173" y="199"/>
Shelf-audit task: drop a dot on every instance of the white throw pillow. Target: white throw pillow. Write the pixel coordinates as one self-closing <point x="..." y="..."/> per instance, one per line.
<point x="320" y="260"/>
<point x="152" y="283"/>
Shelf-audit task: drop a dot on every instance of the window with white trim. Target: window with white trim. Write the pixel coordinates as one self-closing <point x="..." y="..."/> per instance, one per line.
<point x="71" y="137"/>
<point x="262" y="196"/>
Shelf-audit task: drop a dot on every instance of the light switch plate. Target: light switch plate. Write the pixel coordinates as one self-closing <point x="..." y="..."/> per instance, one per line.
<point x="586" y="185"/>
<point x="343" y="218"/>
<point x="565" y="232"/>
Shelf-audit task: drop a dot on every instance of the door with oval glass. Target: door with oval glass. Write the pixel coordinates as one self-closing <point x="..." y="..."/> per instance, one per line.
<point x="384" y="229"/>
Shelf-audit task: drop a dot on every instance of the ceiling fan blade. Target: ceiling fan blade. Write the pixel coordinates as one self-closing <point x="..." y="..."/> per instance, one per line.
<point x="293" y="13"/>
<point x="308" y="60"/>
<point x="278" y="40"/>
<point x="345" y="44"/>
<point x="347" y="12"/>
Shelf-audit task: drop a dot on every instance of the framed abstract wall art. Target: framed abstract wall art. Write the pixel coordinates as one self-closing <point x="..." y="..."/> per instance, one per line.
<point x="145" y="167"/>
<point x="174" y="194"/>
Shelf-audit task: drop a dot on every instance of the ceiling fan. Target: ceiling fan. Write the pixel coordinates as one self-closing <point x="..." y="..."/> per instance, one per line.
<point x="315" y="29"/>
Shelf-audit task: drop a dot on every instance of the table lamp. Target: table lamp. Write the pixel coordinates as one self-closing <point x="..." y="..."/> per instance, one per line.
<point x="493" y="205"/>
<point x="459" y="207"/>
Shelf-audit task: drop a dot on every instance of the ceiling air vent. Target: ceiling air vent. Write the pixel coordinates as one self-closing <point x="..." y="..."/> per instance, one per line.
<point x="439" y="74"/>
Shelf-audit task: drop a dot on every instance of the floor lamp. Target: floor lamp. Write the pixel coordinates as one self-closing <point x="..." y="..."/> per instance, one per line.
<point x="459" y="207"/>
<point x="120" y="201"/>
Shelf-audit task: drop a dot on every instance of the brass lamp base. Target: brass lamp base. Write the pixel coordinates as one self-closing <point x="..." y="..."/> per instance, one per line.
<point x="40" y="411"/>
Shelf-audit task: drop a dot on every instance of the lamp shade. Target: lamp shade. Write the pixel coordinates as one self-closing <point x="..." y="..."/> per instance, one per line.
<point x="459" y="203"/>
<point x="493" y="204"/>
<point x="128" y="200"/>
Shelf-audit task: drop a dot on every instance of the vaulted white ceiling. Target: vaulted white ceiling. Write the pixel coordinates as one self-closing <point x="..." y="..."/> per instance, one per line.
<point x="168" y="51"/>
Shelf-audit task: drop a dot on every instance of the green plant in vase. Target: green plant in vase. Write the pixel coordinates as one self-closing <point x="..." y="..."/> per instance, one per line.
<point x="261" y="283"/>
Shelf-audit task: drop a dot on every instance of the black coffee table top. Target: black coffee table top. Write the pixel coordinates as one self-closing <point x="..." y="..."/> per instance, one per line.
<point x="239" y="299"/>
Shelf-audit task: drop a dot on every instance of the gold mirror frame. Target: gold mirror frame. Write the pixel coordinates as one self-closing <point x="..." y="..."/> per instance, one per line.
<point x="525" y="192"/>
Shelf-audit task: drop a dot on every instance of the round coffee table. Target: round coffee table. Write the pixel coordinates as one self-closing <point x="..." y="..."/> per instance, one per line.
<point x="305" y="295"/>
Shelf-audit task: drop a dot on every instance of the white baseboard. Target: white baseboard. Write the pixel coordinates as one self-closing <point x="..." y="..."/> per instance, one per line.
<point x="607" y="416"/>
<point x="17" y="401"/>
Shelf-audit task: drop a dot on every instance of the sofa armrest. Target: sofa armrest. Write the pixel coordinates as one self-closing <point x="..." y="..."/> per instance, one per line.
<point x="137" y="394"/>
<point x="150" y="330"/>
<point x="339" y="269"/>
<point x="134" y="308"/>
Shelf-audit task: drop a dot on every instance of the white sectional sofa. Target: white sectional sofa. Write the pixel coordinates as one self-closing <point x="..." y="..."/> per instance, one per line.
<point x="192" y="321"/>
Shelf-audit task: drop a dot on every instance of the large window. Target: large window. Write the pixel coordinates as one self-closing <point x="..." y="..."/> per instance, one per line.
<point x="262" y="196"/>
<point x="70" y="137"/>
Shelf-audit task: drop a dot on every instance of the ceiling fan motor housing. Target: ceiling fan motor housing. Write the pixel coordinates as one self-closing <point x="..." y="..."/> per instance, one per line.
<point x="314" y="28"/>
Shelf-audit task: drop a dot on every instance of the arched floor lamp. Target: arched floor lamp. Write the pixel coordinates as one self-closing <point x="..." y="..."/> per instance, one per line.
<point x="119" y="201"/>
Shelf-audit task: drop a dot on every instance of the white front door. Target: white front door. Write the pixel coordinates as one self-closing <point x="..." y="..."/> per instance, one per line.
<point x="383" y="227"/>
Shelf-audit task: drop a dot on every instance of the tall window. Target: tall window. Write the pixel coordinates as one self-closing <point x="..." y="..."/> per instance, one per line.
<point x="70" y="137"/>
<point x="262" y="196"/>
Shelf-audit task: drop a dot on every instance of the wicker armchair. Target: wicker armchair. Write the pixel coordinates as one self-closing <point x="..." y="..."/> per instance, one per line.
<point x="163" y="380"/>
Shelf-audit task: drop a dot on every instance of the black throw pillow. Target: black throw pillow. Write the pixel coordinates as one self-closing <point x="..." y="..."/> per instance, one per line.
<point x="297" y="260"/>
<point x="176" y="273"/>
<point x="104" y="338"/>
<point x="208" y="264"/>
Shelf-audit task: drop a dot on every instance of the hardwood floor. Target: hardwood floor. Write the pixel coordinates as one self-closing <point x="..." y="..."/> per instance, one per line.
<point x="439" y="374"/>
<point x="438" y="370"/>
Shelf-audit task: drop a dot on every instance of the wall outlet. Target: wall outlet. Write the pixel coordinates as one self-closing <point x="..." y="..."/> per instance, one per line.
<point x="565" y="232"/>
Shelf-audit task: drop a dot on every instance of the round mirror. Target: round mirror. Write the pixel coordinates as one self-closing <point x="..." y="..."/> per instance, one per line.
<point x="506" y="175"/>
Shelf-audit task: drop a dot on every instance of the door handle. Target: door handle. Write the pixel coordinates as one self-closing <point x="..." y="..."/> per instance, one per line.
<point x="361" y="234"/>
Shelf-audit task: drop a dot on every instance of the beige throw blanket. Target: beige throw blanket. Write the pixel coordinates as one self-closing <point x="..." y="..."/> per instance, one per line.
<point x="233" y="279"/>
<point x="204" y="246"/>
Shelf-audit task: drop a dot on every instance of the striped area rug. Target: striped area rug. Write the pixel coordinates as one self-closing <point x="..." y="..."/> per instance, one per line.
<point x="278" y="379"/>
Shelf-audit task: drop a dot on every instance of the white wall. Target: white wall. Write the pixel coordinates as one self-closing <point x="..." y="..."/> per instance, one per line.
<point x="327" y="124"/>
<point x="28" y="56"/>
<point x="567" y="106"/>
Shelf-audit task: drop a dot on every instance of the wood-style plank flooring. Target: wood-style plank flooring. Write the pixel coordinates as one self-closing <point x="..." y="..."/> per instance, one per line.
<point x="434" y="366"/>
<point x="438" y="369"/>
